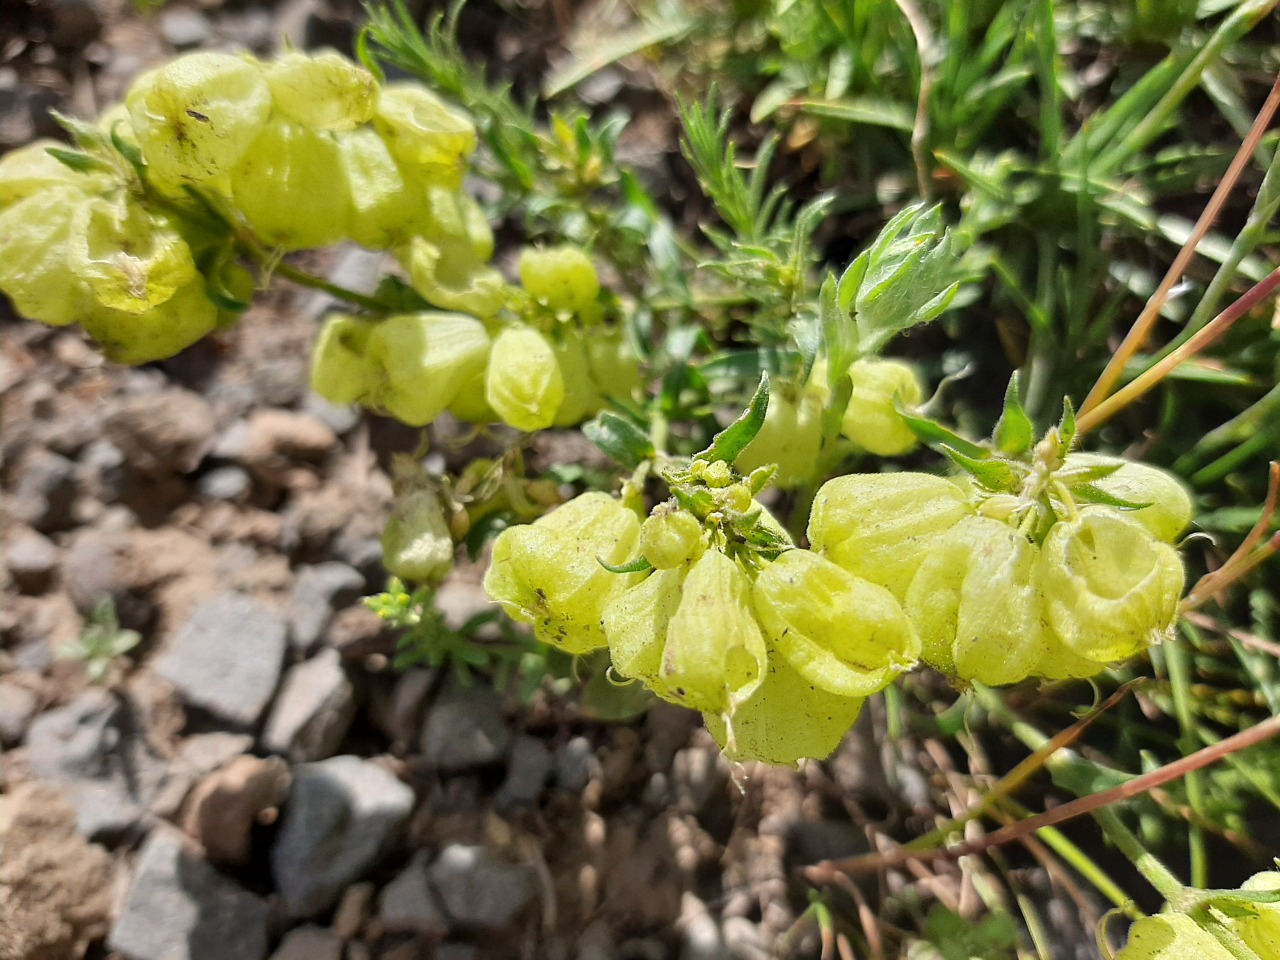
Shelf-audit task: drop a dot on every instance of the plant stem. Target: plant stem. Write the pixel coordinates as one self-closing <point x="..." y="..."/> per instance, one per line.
<point x="304" y="279"/>
<point x="1155" y="872"/>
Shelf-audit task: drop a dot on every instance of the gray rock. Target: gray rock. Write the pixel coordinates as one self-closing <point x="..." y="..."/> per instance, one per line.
<point x="309" y="943"/>
<point x="745" y="940"/>
<point x="32" y="560"/>
<point x="227" y="658"/>
<point x="341" y="419"/>
<point x="44" y="492"/>
<point x="225" y="483"/>
<point x="180" y="908"/>
<point x="465" y="728"/>
<point x="230" y="443"/>
<point x="339" y="818"/>
<point x="408" y="905"/>
<point x="75" y="22"/>
<point x="110" y="777"/>
<point x="318" y="591"/>
<point x="529" y="768"/>
<point x="205" y="752"/>
<point x="314" y="710"/>
<point x="184" y="27"/>
<point x="398" y="711"/>
<point x="699" y="935"/>
<point x="102" y="473"/>
<point x="576" y="765"/>
<point x="479" y="890"/>
<point x="162" y="432"/>
<point x="18" y="705"/>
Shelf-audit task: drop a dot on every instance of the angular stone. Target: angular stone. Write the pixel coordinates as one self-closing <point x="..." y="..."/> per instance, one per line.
<point x="309" y="943"/>
<point x="224" y="808"/>
<point x="32" y="560"/>
<point x="465" y="728"/>
<point x="44" y="491"/>
<point x="180" y="908"/>
<point x="341" y="814"/>
<point x="318" y="591"/>
<point x="18" y="705"/>
<point x="313" y="711"/>
<point x="227" y="657"/>
<point x="407" y="904"/>
<point x="527" y="774"/>
<point x="478" y="889"/>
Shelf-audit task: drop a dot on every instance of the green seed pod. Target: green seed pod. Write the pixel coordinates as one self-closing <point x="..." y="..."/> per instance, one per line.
<point x="973" y="602"/>
<point x="1108" y="587"/>
<point x="1262" y="930"/>
<point x="870" y="420"/>
<point x="30" y="170"/>
<point x="324" y="91"/>
<point x="287" y="189"/>
<point x="196" y="117"/>
<point x="714" y="656"/>
<point x="669" y="536"/>
<point x="382" y="211"/>
<point x="635" y="624"/>
<point x="131" y="259"/>
<point x="1170" y="507"/>
<point x="785" y="720"/>
<point x="524" y="384"/>
<point x="341" y="370"/>
<point x="1171" y="936"/>
<point x="841" y="633"/>
<point x="35" y="251"/>
<point x="791" y="438"/>
<point x="548" y="573"/>
<point x="561" y="277"/>
<point x="159" y="333"/>
<point x="880" y="526"/>
<point x="416" y="543"/>
<point x="429" y="138"/>
<point x="426" y="358"/>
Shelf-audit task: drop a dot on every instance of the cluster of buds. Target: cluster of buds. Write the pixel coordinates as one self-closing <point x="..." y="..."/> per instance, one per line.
<point x="708" y="603"/>
<point x="1237" y="917"/>
<point x="792" y="434"/>
<point x="555" y="366"/>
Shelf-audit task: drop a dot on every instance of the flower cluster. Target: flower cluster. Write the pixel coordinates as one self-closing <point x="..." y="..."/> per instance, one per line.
<point x="1176" y="936"/>
<point x="707" y="602"/>
<point x="554" y="367"/>
<point x="1065" y="568"/>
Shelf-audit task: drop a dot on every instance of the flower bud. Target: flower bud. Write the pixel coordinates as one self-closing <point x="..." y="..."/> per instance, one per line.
<point x="562" y="277"/>
<point x="287" y="189"/>
<point x="426" y="358"/>
<point x="790" y="437"/>
<point x="871" y="420"/>
<point x="669" y="536"/>
<point x="1170" y="509"/>
<point x="714" y="655"/>
<point x="416" y="543"/>
<point x="35" y="248"/>
<point x="1108" y="587"/>
<point x="424" y="134"/>
<point x="524" y="384"/>
<point x="841" y="633"/>
<point x="880" y="526"/>
<point x="196" y="117"/>
<point x="130" y="259"/>
<point x="341" y="370"/>
<point x="1171" y="936"/>
<point x="325" y="91"/>
<point x="157" y="334"/>
<point x="548" y="573"/>
<point x="786" y="719"/>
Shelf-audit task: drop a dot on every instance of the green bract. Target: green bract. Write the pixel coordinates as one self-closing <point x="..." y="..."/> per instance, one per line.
<point x="426" y="359"/>
<point x="197" y="116"/>
<point x="973" y="601"/>
<point x="871" y="419"/>
<point x="880" y="526"/>
<point x="548" y="573"/>
<point x="1109" y="588"/>
<point x="524" y="384"/>
<point x="842" y="634"/>
<point x="325" y="91"/>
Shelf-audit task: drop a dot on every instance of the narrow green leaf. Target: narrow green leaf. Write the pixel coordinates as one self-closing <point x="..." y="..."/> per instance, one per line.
<point x="1067" y="425"/>
<point x="935" y="435"/>
<point x="1014" y="433"/>
<point x="749" y="364"/>
<point x="1096" y="471"/>
<point x="994" y="473"/>
<point x="733" y="439"/>
<point x="1091" y="494"/>
<point x="621" y="45"/>
<point x="77" y="161"/>
<point x="839" y="332"/>
<point x="620" y="439"/>
<point x="638" y="565"/>
<point x="127" y="150"/>
<point x="872" y="111"/>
